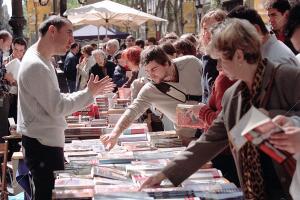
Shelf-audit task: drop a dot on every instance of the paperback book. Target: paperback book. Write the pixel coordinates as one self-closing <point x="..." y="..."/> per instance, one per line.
<point x="256" y="127"/>
<point x="188" y="116"/>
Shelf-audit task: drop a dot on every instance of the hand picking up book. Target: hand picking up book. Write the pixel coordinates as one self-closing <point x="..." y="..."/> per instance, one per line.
<point x="257" y="128"/>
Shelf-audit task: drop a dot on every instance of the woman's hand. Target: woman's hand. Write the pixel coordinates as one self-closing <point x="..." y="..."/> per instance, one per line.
<point x="283" y="121"/>
<point x="288" y="141"/>
<point x="152" y="181"/>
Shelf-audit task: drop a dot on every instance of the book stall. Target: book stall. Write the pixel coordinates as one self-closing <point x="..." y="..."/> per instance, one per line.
<point x="91" y="172"/>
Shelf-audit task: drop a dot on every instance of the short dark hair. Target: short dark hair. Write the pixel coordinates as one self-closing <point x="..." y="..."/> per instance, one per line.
<point x="168" y="48"/>
<point x="54" y="20"/>
<point x="280" y="5"/>
<point x="152" y="40"/>
<point x="243" y="12"/>
<point x="293" y="21"/>
<point x="185" y="47"/>
<point x="117" y="56"/>
<point x="154" y="53"/>
<point x="74" y="45"/>
<point x="140" y="43"/>
<point x="20" y="41"/>
<point x="4" y="34"/>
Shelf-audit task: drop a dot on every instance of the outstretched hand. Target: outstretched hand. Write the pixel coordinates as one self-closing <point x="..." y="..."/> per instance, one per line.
<point x="97" y="87"/>
<point x="109" y="140"/>
<point x="152" y="181"/>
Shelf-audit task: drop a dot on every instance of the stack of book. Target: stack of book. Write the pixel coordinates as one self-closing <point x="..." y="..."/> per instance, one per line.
<point x="84" y="131"/>
<point x="165" y="153"/>
<point x="164" y="139"/>
<point x="98" y="123"/>
<point x="122" y="103"/>
<point x="102" y="103"/>
<point x="77" y="119"/>
<point x="136" y="128"/>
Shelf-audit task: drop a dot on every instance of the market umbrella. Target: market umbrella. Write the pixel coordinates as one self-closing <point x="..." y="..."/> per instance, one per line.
<point x="107" y="13"/>
<point x="91" y="31"/>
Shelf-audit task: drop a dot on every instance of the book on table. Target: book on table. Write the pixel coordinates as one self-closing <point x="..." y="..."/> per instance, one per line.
<point x="74" y="183"/>
<point x="256" y="127"/>
<point x="188" y="116"/>
<point x="108" y="172"/>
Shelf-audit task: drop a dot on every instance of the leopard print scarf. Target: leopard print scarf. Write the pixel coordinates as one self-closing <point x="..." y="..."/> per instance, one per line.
<point x="253" y="183"/>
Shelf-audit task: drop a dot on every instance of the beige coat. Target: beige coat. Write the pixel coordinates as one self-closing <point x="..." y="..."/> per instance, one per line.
<point x="285" y="98"/>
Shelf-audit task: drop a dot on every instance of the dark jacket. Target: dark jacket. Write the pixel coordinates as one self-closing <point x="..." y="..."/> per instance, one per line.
<point x="119" y="77"/>
<point x="97" y="70"/>
<point x="70" y="64"/>
<point x="209" y="76"/>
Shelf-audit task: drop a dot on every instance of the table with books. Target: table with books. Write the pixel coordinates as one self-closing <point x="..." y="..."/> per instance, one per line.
<point x="93" y="173"/>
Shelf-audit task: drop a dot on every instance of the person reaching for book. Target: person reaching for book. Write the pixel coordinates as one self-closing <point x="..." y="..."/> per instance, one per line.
<point x="166" y="75"/>
<point x="235" y="44"/>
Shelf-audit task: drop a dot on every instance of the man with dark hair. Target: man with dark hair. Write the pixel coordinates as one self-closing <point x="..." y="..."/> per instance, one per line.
<point x="140" y="43"/>
<point x="278" y="11"/>
<point x="19" y="46"/>
<point x="5" y="80"/>
<point x="70" y="64"/>
<point x="272" y="49"/>
<point x="42" y="108"/>
<point x="163" y="72"/>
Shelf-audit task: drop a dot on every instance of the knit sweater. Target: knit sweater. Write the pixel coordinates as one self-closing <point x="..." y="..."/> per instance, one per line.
<point x="209" y="113"/>
<point x="41" y="106"/>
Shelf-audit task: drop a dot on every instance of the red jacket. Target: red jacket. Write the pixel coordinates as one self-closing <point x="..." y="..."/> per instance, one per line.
<point x="209" y="113"/>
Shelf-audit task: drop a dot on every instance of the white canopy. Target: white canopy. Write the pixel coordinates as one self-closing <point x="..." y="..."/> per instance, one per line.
<point x="109" y="13"/>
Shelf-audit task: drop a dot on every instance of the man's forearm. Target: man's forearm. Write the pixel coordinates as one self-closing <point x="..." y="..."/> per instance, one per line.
<point x="124" y="122"/>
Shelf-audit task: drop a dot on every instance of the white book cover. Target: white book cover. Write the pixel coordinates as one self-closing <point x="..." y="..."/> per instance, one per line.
<point x="13" y="67"/>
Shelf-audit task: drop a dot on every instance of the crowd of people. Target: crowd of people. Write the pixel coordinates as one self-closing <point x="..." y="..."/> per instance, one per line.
<point x="235" y="63"/>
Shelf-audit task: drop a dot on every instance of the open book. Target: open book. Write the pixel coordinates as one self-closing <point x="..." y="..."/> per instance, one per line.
<point x="256" y="127"/>
<point x="13" y="67"/>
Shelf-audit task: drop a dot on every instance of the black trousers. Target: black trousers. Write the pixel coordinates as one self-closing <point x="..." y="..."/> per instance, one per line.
<point x="4" y="113"/>
<point x="42" y="161"/>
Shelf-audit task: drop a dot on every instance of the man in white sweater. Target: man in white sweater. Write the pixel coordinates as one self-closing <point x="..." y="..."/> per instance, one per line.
<point x="42" y="108"/>
<point x="182" y="74"/>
